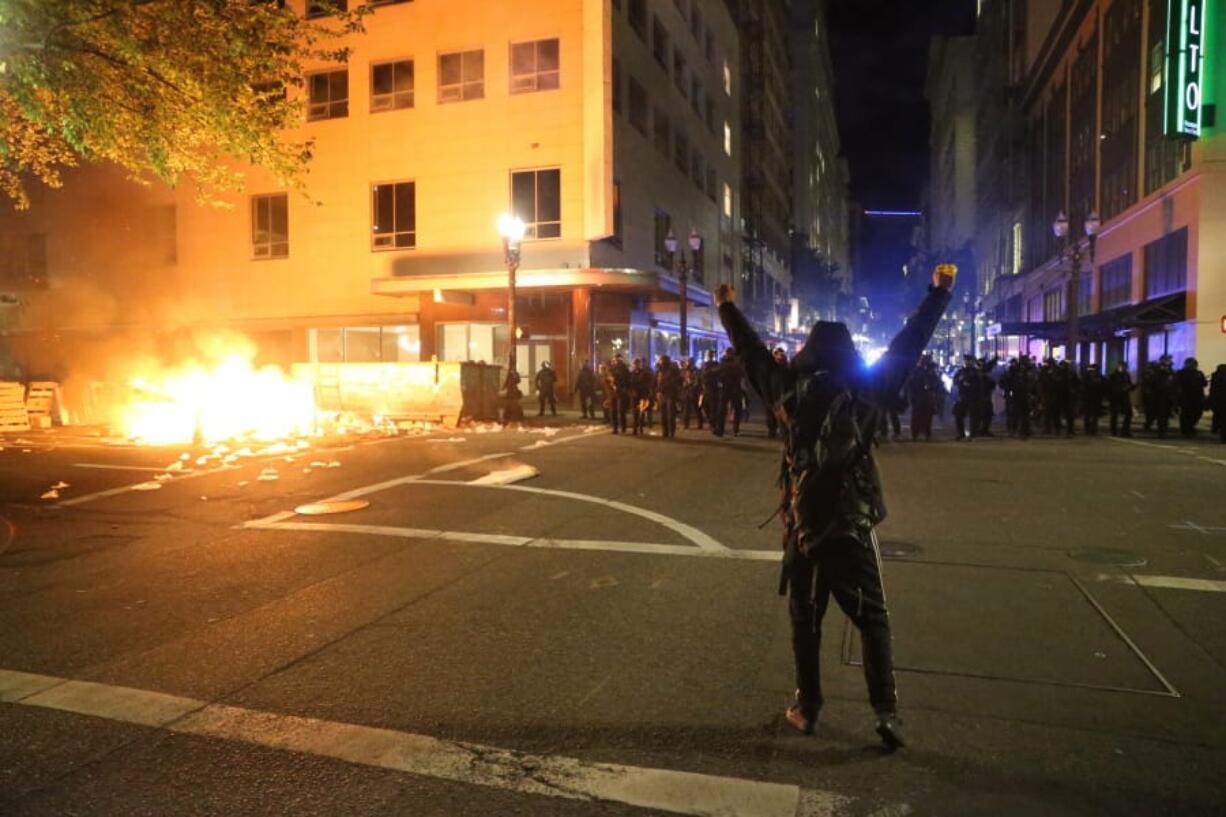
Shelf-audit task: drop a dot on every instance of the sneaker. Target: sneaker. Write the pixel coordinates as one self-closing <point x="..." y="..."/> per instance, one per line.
<point x="799" y="721"/>
<point x="889" y="727"/>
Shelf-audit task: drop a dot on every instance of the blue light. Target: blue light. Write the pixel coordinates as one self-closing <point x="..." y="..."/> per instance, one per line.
<point x="894" y="213"/>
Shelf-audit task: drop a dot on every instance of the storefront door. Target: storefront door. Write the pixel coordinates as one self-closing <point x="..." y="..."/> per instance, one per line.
<point x="528" y="359"/>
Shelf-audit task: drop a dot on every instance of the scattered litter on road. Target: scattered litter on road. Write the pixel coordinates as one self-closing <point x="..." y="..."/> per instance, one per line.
<point x="268" y="475"/>
<point x="449" y="440"/>
<point x="331" y="506"/>
<point x="506" y="476"/>
<point x="184" y="457"/>
<point x="306" y="470"/>
<point x="334" y="464"/>
<point x="177" y="465"/>
<point x="163" y="477"/>
<point x="52" y="494"/>
<point x="548" y="431"/>
<point x="319" y="464"/>
<point x="243" y="484"/>
<point x="1099" y="654"/>
<point x="59" y="485"/>
<point x="153" y="485"/>
<point x="204" y="499"/>
<point x="535" y="445"/>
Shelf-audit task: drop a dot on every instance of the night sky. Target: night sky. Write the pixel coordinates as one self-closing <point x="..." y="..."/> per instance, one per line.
<point x="880" y="56"/>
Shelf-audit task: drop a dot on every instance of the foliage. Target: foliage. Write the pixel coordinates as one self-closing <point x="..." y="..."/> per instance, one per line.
<point x="167" y="89"/>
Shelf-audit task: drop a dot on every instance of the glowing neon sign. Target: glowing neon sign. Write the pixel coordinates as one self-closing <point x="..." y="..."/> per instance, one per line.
<point x="1185" y="67"/>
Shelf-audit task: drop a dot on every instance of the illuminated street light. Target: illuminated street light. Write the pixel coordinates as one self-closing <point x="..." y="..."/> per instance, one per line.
<point x="512" y="230"/>
<point x="1072" y="249"/>
<point x="682" y="269"/>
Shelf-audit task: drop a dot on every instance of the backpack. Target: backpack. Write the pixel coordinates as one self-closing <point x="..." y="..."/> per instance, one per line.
<point x="826" y="474"/>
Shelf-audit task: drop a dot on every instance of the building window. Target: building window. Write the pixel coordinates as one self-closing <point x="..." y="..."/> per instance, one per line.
<point x="709" y="48"/>
<point x="696" y="24"/>
<point x="270" y="226"/>
<point x="328" y="94"/>
<point x="638" y="106"/>
<point x="637" y="15"/>
<point x="617" y="85"/>
<point x="727" y="139"/>
<point x="727" y="78"/>
<point x="1157" y="59"/>
<point x="366" y="344"/>
<point x="461" y="76"/>
<point x="696" y="95"/>
<point x="727" y="200"/>
<point x="377" y="3"/>
<point x="23" y="261"/>
<point x="617" y="213"/>
<point x="1053" y="305"/>
<point x="709" y="115"/>
<point x="394" y="216"/>
<point x="1085" y="287"/>
<point x="1166" y="264"/>
<point x="535" y="66"/>
<point x="323" y="8"/>
<point x="1016" y="266"/>
<point x="662" y="132"/>
<point x="698" y="168"/>
<point x="1115" y="283"/>
<point x="679" y="71"/>
<point x="536" y="197"/>
<point x="391" y="85"/>
<point x="663" y="226"/>
<point x="681" y="152"/>
<point x="712" y="183"/>
<point x="659" y="43"/>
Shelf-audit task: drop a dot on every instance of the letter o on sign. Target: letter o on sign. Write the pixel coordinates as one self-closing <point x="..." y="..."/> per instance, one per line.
<point x="1192" y="96"/>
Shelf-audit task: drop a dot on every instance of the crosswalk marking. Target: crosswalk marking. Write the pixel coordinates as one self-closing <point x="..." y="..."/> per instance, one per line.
<point x="568" y="778"/>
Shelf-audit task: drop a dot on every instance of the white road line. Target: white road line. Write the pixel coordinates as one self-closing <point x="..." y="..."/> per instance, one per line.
<point x="649" y="548"/>
<point x="378" y="486"/>
<point x="468" y="763"/>
<point x="1168" y="582"/>
<point x="1186" y="451"/>
<point x="105" y="467"/>
<point x="80" y="500"/>
<point x="690" y="532"/>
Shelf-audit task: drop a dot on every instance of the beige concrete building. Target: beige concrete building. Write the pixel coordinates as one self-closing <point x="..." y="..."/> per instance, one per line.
<point x="603" y="124"/>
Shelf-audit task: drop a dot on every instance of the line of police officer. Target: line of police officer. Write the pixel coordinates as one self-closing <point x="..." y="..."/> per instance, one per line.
<point x="1057" y="396"/>
<point x="712" y="395"/>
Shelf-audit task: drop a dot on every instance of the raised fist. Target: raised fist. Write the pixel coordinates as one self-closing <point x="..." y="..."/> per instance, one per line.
<point x="943" y="276"/>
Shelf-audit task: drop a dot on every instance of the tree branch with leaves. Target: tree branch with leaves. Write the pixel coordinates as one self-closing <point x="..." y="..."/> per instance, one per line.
<point x="167" y="89"/>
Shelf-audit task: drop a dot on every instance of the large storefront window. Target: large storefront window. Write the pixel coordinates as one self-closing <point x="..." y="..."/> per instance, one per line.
<point x="366" y="344"/>
<point x="1166" y="264"/>
<point x="478" y="342"/>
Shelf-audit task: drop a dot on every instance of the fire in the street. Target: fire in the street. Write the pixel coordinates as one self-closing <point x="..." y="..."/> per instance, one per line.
<point x="225" y="399"/>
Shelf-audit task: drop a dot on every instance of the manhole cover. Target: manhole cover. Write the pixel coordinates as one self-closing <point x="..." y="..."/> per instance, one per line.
<point x="336" y="506"/>
<point x="898" y="550"/>
<point x="1108" y="556"/>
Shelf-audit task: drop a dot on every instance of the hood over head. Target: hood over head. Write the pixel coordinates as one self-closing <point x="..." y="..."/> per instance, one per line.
<point x="828" y="348"/>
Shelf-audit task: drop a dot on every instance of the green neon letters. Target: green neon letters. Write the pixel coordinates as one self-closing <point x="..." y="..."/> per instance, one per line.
<point x="1185" y="68"/>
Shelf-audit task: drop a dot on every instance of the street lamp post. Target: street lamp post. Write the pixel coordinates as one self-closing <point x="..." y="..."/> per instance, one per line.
<point x="1072" y="248"/>
<point x="682" y="270"/>
<point x="512" y="231"/>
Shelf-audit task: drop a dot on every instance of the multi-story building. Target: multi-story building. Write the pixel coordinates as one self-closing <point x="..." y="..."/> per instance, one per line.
<point x="766" y="201"/>
<point x="819" y="176"/>
<point x="1121" y="141"/>
<point x="603" y="125"/>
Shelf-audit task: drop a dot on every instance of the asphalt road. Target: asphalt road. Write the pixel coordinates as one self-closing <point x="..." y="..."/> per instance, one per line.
<point x="602" y="639"/>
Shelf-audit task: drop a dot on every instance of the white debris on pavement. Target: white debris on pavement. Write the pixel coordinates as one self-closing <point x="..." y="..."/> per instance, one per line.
<point x="268" y="475"/>
<point x="52" y="494"/>
<point x="60" y="485"/>
<point x="449" y="440"/>
<point x="334" y="464"/>
<point x="506" y="476"/>
<point x="152" y="485"/>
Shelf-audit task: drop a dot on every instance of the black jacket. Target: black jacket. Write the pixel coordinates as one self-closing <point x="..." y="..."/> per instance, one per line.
<point x="852" y="504"/>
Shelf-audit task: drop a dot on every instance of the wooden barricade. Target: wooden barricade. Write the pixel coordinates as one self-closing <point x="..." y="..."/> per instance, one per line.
<point x="13" y="414"/>
<point x="45" y="404"/>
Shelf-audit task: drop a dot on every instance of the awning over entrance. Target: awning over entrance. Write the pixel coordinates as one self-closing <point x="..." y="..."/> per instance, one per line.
<point x="1155" y="312"/>
<point x="628" y="280"/>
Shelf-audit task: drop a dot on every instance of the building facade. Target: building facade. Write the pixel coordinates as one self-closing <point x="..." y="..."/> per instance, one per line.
<point x="821" y="258"/>
<point x="1121" y="139"/>
<point x="603" y="124"/>
<point x="766" y="199"/>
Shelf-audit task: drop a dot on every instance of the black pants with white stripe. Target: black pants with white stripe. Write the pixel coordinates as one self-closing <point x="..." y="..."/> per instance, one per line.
<point x="850" y="570"/>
